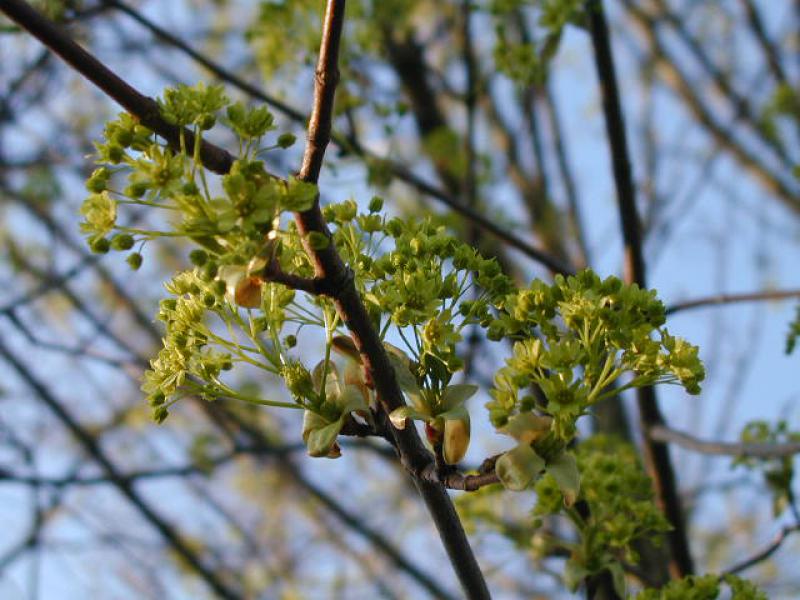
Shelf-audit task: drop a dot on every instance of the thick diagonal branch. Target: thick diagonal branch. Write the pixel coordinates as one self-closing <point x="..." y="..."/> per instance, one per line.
<point x="144" y="108"/>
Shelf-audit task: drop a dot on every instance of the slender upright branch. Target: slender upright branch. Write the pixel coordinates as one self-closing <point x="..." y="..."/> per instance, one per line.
<point x="771" y="53"/>
<point x="656" y="454"/>
<point x="329" y="266"/>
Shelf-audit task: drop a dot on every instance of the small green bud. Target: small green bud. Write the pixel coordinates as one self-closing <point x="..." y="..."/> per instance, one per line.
<point x="115" y="153"/>
<point x="98" y="182"/>
<point x="135" y="190"/>
<point x="134" y="261"/>
<point x="122" y="241"/>
<point x="219" y="287"/>
<point x="209" y="300"/>
<point x="376" y="204"/>
<point x="260" y="324"/>
<point x="160" y="414"/>
<point x="286" y="140"/>
<point x="123" y="137"/>
<point x="190" y="188"/>
<point x="100" y="245"/>
<point x="206" y="122"/>
<point x="395" y="227"/>
<point x="290" y="341"/>
<point x="210" y="270"/>
<point x="198" y="257"/>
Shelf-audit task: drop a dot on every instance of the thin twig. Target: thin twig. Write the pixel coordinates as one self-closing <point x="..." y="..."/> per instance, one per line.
<point x="740" y="449"/>
<point x="677" y="79"/>
<point x="765" y="553"/>
<point x="770" y="51"/>
<point x="718" y="299"/>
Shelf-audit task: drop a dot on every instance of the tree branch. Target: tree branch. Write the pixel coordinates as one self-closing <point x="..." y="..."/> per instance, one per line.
<point x="329" y="266"/>
<point x="764" y="553"/>
<point x="656" y="454"/>
<point x="142" y="107"/>
<point x="719" y="299"/>
<point x="676" y="79"/>
<point x="770" y="52"/>
<point x="741" y="449"/>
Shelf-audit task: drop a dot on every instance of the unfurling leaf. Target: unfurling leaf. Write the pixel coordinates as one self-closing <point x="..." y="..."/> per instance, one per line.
<point x="399" y="415"/>
<point x="320" y="435"/>
<point x="564" y="470"/>
<point x="518" y="468"/>
<point x="455" y="395"/>
<point x="527" y="428"/>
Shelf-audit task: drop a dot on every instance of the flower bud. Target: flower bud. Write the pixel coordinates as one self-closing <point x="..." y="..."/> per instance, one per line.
<point x="456" y="438"/>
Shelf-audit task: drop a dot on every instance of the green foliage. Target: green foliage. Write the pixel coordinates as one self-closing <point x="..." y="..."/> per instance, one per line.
<point x="704" y="587"/>
<point x="783" y="106"/>
<point x="524" y="61"/>
<point x="285" y="34"/>
<point x="616" y="510"/>
<point x="198" y="105"/>
<point x="574" y="342"/>
<point x="778" y="472"/>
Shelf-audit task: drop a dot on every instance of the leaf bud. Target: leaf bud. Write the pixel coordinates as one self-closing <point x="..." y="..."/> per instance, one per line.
<point x="198" y="257"/>
<point x="134" y="261"/>
<point x="122" y="241"/>
<point x="206" y="122"/>
<point x="100" y="245"/>
<point x="286" y="140"/>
